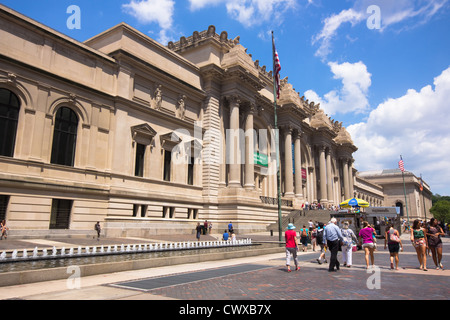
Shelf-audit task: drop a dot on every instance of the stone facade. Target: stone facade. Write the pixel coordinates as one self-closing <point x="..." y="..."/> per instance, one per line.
<point x="148" y="139"/>
<point x="391" y="181"/>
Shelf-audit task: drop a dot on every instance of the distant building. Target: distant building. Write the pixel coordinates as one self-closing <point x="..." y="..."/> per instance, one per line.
<point x="391" y="182"/>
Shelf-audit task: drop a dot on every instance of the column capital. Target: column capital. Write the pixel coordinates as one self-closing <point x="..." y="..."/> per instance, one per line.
<point x="288" y="129"/>
<point x="233" y="98"/>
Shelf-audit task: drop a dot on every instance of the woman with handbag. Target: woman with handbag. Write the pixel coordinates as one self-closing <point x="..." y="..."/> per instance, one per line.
<point x="434" y="233"/>
<point x="392" y="239"/>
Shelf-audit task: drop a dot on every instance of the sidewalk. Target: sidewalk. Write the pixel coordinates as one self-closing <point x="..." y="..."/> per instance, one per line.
<point x="265" y="279"/>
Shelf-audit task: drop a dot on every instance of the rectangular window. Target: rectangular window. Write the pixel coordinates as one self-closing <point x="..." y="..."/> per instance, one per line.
<point x="135" y="210"/>
<point x="167" y="164"/>
<point x="60" y="215"/>
<point x="191" y="172"/>
<point x="4" y="200"/>
<point x="144" y="211"/>
<point x="139" y="163"/>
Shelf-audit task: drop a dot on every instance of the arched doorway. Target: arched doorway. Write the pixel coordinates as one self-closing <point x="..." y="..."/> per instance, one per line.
<point x="400" y="205"/>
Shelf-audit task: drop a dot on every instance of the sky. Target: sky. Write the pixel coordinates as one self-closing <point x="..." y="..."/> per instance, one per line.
<point x="382" y="67"/>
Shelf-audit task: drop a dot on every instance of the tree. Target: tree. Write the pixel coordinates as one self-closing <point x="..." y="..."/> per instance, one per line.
<point x="441" y="210"/>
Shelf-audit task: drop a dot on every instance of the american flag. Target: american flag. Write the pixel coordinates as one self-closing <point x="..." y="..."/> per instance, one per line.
<point x="401" y="165"/>
<point x="276" y="67"/>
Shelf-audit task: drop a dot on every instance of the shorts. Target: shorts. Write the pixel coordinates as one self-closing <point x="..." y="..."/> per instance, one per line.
<point x="419" y="243"/>
<point x="304" y="241"/>
<point x="369" y="245"/>
<point x="394" y="247"/>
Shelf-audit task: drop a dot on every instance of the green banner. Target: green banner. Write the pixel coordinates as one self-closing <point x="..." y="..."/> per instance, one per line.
<point x="261" y="159"/>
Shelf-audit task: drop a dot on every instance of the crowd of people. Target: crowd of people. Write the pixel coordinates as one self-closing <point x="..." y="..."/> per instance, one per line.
<point x="425" y="238"/>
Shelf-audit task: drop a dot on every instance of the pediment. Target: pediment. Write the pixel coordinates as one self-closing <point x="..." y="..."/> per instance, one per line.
<point x="143" y="134"/>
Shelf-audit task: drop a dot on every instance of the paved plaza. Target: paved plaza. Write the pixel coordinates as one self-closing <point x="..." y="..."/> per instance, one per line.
<point x="261" y="278"/>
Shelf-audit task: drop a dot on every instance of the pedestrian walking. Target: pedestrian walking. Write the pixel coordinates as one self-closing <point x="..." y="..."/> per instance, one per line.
<point x="198" y="229"/>
<point x="3" y="229"/>
<point x="420" y="243"/>
<point x="366" y="235"/>
<point x="394" y="243"/>
<point x="347" y="244"/>
<point x="304" y="238"/>
<point x="434" y="233"/>
<point x="98" y="228"/>
<point x="320" y="243"/>
<point x="333" y="238"/>
<point x="230" y="227"/>
<point x="210" y="227"/>
<point x="291" y="247"/>
<point x="313" y="237"/>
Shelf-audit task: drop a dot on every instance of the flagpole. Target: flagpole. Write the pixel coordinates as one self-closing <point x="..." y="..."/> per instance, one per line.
<point x="404" y="191"/>
<point x="277" y="142"/>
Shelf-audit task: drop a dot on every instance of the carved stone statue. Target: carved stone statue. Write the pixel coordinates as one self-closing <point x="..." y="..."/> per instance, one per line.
<point x="181" y="107"/>
<point x="158" y="97"/>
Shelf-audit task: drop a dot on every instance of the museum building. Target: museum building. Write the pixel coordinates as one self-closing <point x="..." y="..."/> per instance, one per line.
<point x="148" y="139"/>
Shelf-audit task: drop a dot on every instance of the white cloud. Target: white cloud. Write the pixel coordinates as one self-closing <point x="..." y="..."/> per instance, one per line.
<point x="153" y="11"/>
<point x="331" y="25"/>
<point x="405" y="14"/>
<point x="250" y="12"/>
<point x="352" y="97"/>
<point x="416" y="126"/>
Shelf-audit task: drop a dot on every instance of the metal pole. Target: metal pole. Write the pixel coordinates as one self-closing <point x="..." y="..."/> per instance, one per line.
<point x="406" y="200"/>
<point x="277" y="142"/>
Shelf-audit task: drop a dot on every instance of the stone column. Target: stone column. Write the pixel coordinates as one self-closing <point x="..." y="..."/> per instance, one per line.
<point x="249" y="182"/>
<point x="233" y="148"/>
<point x="288" y="175"/>
<point x="350" y="177"/>
<point x="323" y="175"/>
<point x="329" y="178"/>
<point x="298" y="166"/>
<point x="346" y="179"/>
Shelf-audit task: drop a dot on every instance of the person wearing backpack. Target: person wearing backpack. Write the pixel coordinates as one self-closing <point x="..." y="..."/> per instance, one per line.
<point x="304" y="238"/>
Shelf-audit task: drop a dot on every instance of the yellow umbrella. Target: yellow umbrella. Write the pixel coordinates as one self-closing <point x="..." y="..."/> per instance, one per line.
<point x="354" y="202"/>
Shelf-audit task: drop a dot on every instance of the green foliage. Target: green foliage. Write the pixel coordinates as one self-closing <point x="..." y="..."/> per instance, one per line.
<point x="436" y="197"/>
<point x="441" y="210"/>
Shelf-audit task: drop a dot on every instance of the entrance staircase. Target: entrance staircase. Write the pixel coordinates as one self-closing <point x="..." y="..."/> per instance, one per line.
<point x="301" y="218"/>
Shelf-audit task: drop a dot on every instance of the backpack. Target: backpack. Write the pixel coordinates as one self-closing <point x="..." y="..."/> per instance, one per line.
<point x="304" y="234"/>
<point x="319" y="237"/>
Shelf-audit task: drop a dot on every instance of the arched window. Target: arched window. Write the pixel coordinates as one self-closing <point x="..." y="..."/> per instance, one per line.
<point x="64" y="137"/>
<point x="9" y="115"/>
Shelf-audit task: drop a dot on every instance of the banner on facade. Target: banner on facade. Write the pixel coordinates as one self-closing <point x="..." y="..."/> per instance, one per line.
<point x="261" y="159"/>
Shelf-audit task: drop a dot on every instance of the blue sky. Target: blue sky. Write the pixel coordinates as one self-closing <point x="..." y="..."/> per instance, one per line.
<point x="388" y="82"/>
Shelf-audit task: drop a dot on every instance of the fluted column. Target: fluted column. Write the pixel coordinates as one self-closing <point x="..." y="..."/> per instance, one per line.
<point x="298" y="166"/>
<point x="249" y="178"/>
<point x="329" y="178"/>
<point x="233" y="144"/>
<point x="346" y="179"/>
<point x="323" y="175"/>
<point x="288" y="176"/>
<point x="350" y="177"/>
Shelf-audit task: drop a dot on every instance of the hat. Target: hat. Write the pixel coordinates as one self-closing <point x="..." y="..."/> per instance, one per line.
<point x="290" y="226"/>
